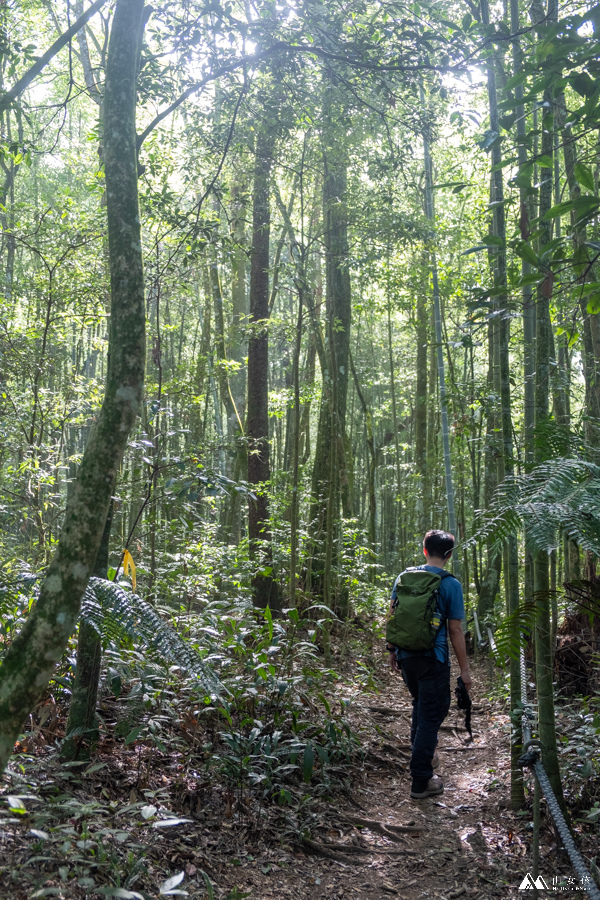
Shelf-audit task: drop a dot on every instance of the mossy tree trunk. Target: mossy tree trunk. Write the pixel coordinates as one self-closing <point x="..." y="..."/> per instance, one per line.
<point x="32" y="658"/>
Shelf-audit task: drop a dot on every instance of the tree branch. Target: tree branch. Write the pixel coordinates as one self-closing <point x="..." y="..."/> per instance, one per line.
<point x="197" y="86"/>
<point x="24" y="82"/>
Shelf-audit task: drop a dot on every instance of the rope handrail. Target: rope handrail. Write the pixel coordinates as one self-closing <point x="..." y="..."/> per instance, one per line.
<point x="531" y="758"/>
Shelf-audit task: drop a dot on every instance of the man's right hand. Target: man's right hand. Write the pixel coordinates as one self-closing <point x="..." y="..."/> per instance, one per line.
<point x="393" y="661"/>
<point x="466" y="677"/>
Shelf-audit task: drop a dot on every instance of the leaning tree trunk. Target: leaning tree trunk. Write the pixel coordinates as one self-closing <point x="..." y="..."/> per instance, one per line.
<point x="31" y="660"/>
<point x="265" y="590"/>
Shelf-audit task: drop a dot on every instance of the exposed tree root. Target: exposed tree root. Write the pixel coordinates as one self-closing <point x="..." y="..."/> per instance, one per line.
<point x="390" y="831"/>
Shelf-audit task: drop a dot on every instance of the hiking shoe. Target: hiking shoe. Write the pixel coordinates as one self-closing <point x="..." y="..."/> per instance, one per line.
<point x="434" y="786"/>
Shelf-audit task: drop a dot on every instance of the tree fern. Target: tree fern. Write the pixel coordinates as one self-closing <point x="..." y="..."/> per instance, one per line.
<point x="558" y="496"/>
<point x="112" y="611"/>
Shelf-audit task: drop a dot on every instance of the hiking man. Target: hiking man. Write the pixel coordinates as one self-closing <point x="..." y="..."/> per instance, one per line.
<point x="426" y="672"/>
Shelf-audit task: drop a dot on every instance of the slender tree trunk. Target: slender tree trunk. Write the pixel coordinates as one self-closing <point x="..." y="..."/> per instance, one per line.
<point x="544" y="353"/>
<point x="395" y="529"/>
<point x="430" y="499"/>
<point x="421" y="407"/>
<point x="506" y="465"/>
<point x="591" y="328"/>
<point x="259" y="468"/>
<point x="295" y="505"/>
<point x="32" y="657"/>
<point x="440" y="351"/>
<point x="239" y="299"/>
<point x="371" y="462"/>
<point x="331" y="435"/>
<point x="490" y="581"/>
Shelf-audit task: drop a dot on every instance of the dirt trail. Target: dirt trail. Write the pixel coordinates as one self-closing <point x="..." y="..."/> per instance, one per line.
<point x="464" y="843"/>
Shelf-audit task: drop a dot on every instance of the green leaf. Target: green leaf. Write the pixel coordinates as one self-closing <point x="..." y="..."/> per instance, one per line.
<point x="593" y="303"/>
<point x="112" y="611"/>
<point x="583" y="84"/>
<point x="545" y="161"/>
<point x="559" y="210"/>
<point x="210" y="891"/>
<point x="133" y="735"/>
<point x="592" y="287"/>
<point x="269" y="617"/>
<point x="525" y="251"/>
<point x="489" y="139"/>
<point x="584" y="176"/>
<point x="16" y="805"/>
<point x="515" y="81"/>
<point x="530" y="278"/>
<point x="507" y="122"/>
<point x="586" y="204"/>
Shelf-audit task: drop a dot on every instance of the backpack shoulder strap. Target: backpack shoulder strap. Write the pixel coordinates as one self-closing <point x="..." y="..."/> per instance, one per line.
<point x="447" y="575"/>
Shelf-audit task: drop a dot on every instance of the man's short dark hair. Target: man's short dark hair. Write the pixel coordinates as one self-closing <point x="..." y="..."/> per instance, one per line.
<point x="439" y="543"/>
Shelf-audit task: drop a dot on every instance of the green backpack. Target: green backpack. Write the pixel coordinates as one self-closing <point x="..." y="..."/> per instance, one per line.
<point x="415" y="622"/>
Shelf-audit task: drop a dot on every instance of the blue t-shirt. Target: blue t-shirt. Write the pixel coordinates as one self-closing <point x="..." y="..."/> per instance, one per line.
<point x="450" y="606"/>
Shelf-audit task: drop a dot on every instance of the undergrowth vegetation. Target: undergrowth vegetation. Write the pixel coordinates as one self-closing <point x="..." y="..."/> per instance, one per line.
<point x="272" y="734"/>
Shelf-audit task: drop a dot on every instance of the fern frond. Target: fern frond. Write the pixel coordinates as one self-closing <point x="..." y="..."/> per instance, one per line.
<point x="508" y="634"/>
<point x="559" y="496"/>
<point x="112" y="611"/>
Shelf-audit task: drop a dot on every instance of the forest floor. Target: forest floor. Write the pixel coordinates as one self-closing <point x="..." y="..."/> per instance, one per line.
<point x="367" y="841"/>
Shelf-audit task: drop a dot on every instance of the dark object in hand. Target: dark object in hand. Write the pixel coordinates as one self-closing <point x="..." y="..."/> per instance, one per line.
<point x="463" y="701"/>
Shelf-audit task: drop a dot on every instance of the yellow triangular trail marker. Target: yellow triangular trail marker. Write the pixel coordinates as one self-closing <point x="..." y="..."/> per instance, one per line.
<point x="129" y="566"/>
